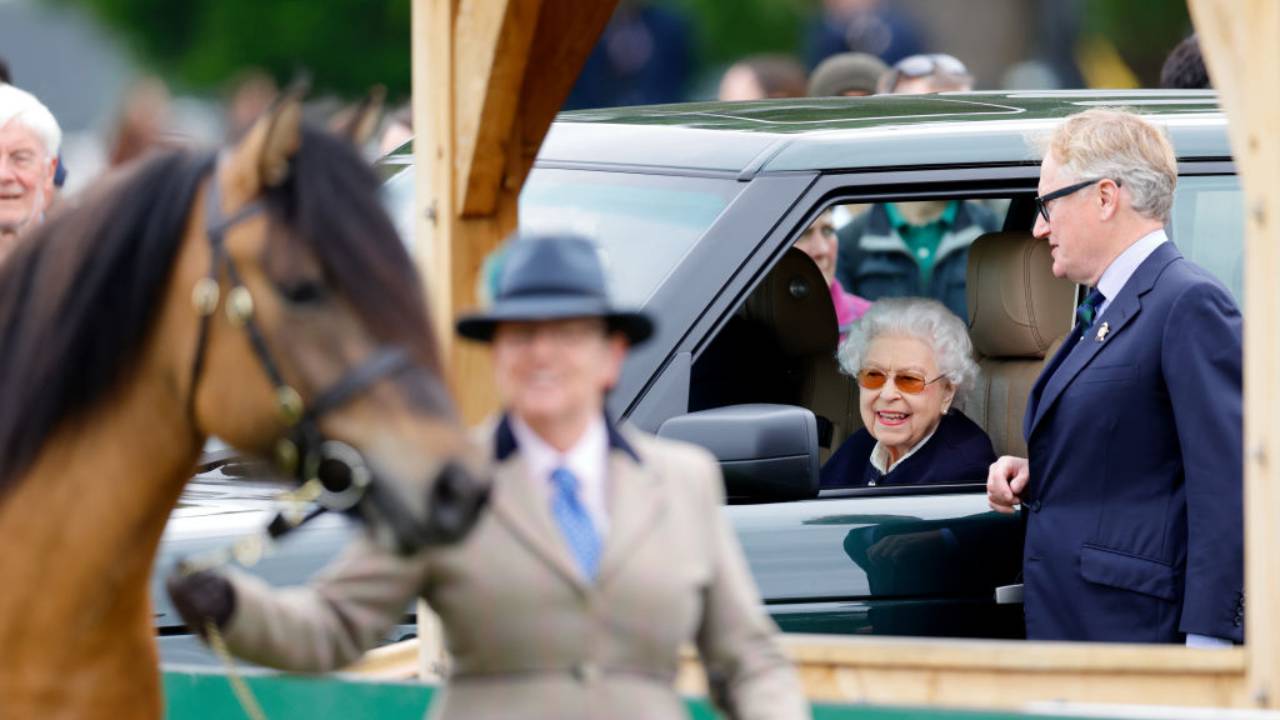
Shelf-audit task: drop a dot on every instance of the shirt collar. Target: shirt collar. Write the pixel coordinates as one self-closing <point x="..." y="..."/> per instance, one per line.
<point x="585" y="459"/>
<point x="880" y="454"/>
<point x="505" y="441"/>
<point x="1126" y="264"/>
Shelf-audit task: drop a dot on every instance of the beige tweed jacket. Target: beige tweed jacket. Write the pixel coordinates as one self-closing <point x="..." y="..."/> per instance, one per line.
<point x="529" y="636"/>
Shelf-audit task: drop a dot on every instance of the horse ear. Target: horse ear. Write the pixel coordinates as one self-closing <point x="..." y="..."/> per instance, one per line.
<point x="364" y="121"/>
<point x="261" y="158"/>
<point x="283" y="136"/>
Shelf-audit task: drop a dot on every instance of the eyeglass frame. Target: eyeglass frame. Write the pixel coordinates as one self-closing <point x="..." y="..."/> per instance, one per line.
<point x="895" y="376"/>
<point x="1042" y="201"/>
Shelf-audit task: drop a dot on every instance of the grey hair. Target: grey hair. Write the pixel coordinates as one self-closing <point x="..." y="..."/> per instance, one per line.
<point x="1123" y="146"/>
<point x="23" y="107"/>
<point x="922" y="318"/>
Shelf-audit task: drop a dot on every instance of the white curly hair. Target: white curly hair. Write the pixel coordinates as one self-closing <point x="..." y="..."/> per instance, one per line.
<point x="923" y="318"/>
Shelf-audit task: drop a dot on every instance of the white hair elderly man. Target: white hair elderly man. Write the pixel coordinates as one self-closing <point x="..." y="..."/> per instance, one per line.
<point x="29" y="142"/>
<point x="1132" y="484"/>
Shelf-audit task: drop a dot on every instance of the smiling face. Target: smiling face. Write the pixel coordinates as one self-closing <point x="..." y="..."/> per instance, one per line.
<point x="26" y="177"/>
<point x="901" y="420"/>
<point x="553" y="374"/>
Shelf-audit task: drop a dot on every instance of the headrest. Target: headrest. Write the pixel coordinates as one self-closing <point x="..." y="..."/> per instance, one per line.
<point x="1017" y="308"/>
<point x="795" y="302"/>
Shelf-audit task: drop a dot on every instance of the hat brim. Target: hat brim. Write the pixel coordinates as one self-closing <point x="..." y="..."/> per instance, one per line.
<point x="636" y="326"/>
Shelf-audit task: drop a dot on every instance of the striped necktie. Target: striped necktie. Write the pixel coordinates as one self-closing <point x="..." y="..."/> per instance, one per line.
<point x="1088" y="310"/>
<point x="571" y="515"/>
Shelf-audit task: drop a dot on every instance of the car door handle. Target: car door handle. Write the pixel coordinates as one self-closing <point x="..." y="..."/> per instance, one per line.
<point x="1009" y="594"/>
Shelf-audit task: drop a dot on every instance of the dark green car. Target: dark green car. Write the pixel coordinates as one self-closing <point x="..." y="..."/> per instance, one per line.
<point x="696" y="208"/>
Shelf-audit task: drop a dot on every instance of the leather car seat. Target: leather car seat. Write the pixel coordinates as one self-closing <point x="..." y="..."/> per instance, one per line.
<point x="794" y="303"/>
<point x="1019" y="313"/>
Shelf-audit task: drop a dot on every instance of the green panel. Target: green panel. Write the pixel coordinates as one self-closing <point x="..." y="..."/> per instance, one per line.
<point x="199" y="694"/>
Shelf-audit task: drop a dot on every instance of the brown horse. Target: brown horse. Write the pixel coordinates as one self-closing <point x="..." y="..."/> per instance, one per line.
<point x="263" y="297"/>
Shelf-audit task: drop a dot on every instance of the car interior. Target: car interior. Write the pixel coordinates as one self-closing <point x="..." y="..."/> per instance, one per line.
<point x="780" y="345"/>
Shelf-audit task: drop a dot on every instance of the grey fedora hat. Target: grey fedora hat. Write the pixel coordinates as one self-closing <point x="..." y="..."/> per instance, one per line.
<point x="552" y="277"/>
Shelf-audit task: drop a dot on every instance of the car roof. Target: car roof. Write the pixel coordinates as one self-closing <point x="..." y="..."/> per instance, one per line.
<point x="867" y="133"/>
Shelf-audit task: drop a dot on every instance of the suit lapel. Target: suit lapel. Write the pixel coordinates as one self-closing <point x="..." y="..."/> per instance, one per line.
<point x="636" y="501"/>
<point x="1118" y="316"/>
<point x="524" y="507"/>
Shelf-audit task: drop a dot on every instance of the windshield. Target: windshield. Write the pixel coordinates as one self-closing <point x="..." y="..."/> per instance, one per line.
<point x="643" y="224"/>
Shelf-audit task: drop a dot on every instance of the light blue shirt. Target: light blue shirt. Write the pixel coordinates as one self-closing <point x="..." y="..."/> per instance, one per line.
<point x="1125" y="265"/>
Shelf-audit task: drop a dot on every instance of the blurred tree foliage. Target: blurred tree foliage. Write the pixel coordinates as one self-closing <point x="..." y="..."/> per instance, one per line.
<point x="728" y="31"/>
<point x="346" y="45"/>
<point x="1142" y="31"/>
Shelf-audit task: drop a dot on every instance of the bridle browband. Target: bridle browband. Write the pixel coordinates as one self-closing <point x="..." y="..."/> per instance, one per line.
<point x="331" y="473"/>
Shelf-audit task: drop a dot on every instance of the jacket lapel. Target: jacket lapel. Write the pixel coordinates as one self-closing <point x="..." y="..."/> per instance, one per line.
<point x="525" y="508"/>
<point x="637" y="501"/>
<point x="1119" y="314"/>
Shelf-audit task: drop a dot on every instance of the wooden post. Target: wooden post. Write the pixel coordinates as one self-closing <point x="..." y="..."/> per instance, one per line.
<point x="1239" y="42"/>
<point x="489" y="77"/>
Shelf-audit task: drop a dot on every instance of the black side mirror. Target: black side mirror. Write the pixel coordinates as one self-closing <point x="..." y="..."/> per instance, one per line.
<point x="767" y="452"/>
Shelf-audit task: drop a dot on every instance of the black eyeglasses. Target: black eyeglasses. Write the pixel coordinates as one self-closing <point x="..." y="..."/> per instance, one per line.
<point x="1042" y="201"/>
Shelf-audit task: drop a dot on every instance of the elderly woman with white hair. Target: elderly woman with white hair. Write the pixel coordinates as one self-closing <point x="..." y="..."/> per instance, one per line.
<point x="911" y="356"/>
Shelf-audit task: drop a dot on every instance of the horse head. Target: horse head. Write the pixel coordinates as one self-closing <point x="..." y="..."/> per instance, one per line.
<point x="312" y="343"/>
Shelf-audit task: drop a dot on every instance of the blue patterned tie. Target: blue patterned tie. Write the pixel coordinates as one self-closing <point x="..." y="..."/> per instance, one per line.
<point x="574" y="522"/>
<point x="1088" y="310"/>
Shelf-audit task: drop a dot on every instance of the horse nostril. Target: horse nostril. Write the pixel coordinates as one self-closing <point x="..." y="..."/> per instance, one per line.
<point x="335" y="475"/>
<point x="456" y="500"/>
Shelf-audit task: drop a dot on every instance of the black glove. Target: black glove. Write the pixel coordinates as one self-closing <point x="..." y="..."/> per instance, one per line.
<point x="201" y="596"/>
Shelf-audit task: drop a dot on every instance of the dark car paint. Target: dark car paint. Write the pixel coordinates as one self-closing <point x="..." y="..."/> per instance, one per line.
<point x="851" y="562"/>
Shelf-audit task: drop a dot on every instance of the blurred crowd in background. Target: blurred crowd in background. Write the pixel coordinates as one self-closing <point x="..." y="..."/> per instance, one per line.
<point x="121" y="78"/>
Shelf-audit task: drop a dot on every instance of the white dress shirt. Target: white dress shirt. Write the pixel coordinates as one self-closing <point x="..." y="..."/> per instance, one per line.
<point x="1125" y="265"/>
<point x="588" y="460"/>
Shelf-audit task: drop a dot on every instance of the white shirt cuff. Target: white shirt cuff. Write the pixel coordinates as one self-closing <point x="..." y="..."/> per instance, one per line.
<point x="1207" y="641"/>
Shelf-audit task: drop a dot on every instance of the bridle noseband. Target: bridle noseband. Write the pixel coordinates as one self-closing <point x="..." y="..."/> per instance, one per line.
<point x="331" y="473"/>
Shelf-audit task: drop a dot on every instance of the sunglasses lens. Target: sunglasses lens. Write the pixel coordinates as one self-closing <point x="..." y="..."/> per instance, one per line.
<point x="872" y="379"/>
<point x="912" y="384"/>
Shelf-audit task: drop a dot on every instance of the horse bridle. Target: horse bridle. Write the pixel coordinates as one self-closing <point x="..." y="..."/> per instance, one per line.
<point x="331" y="473"/>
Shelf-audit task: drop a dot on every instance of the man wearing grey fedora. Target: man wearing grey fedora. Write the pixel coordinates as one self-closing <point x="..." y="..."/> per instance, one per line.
<point x="604" y="550"/>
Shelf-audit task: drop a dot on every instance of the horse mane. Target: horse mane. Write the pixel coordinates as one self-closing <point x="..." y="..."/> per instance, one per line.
<point x="78" y="297"/>
<point x="332" y="201"/>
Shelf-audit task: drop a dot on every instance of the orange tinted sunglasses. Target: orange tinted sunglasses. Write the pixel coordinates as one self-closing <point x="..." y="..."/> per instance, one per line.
<point x="909" y="383"/>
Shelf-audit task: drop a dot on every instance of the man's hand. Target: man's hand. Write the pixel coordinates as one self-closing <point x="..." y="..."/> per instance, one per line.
<point x="201" y="597"/>
<point x="1006" y="480"/>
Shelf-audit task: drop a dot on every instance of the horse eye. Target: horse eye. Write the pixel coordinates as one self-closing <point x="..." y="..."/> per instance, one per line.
<point x="304" y="292"/>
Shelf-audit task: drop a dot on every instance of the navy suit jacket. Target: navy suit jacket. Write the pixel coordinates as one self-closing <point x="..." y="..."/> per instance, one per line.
<point x="1134" y="509"/>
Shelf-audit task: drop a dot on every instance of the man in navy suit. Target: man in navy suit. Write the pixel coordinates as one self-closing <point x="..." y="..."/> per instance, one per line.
<point x="1133" y="483"/>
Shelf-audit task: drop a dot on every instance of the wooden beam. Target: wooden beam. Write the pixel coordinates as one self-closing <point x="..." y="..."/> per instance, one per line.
<point x="489" y="77"/>
<point x="982" y="674"/>
<point x="567" y="31"/>
<point x="1239" y="41"/>
<point x="489" y="72"/>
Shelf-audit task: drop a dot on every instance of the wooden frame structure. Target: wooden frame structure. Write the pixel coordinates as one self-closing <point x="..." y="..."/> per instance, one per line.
<point x="489" y="76"/>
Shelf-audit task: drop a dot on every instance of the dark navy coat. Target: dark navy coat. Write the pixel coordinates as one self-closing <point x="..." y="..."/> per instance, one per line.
<point x="1134" y="440"/>
<point x="958" y="452"/>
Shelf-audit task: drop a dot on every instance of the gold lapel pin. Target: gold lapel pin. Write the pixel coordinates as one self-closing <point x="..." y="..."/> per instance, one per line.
<point x="1102" y="332"/>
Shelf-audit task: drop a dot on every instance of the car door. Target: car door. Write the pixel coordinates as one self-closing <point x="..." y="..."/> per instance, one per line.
<point x="873" y="560"/>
